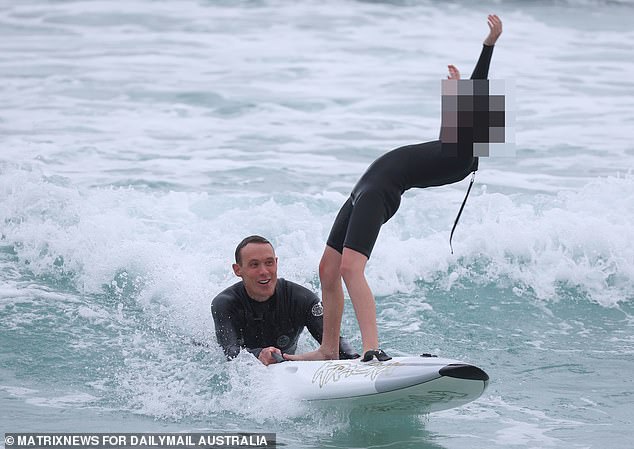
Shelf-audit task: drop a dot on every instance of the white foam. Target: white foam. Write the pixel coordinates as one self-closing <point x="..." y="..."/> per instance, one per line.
<point x="18" y="391"/>
<point x="174" y="250"/>
<point x="74" y="399"/>
<point x="581" y="239"/>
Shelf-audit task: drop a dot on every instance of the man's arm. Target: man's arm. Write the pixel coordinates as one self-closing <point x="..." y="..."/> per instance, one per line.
<point x="227" y="332"/>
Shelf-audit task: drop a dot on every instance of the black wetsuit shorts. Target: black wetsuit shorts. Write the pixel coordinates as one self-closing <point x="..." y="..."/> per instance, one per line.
<point x="359" y="221"/>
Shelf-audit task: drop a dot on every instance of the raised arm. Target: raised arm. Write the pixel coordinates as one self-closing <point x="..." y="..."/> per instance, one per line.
<point x="495" y="29"/>
<point x="481" y="70"/>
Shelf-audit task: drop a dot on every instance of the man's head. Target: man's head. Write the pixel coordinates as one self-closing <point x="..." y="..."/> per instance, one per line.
<point x="256" y="264"/>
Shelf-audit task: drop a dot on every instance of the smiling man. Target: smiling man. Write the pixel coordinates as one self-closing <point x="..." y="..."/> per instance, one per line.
<point x="264" y="314"/>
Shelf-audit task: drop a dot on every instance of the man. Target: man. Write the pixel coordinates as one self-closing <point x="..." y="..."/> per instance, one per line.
<point x="374" y="200"/>
<point x="264" y="314"/>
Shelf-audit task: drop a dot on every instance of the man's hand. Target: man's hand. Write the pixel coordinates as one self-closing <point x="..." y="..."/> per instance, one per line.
<point x="266" y="355"/>
<point x="495" y="27"/>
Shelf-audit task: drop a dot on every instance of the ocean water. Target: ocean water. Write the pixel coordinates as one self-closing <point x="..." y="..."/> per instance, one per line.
<point x="141" y="140"/>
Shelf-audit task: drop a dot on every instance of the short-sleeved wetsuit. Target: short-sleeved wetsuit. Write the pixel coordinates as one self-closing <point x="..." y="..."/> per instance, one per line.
<point x="242" y="322"/>
<point x="377" y="195"/>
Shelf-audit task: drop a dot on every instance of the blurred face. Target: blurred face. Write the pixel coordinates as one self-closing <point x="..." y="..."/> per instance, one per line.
<point x="258" y="270"/>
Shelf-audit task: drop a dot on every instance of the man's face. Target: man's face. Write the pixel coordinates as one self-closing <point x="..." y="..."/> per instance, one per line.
<point x="258" y="270"/>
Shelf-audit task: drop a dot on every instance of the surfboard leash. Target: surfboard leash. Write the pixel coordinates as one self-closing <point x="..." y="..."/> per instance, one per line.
<point x="455" y="223"/>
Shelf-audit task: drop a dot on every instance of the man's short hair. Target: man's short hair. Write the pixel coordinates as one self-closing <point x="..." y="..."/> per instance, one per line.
<point x="245" y="242"/>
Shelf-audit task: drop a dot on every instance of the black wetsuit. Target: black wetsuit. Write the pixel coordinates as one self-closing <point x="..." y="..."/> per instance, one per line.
<point x="242" y="322"/>
<point x="377" y="195"/>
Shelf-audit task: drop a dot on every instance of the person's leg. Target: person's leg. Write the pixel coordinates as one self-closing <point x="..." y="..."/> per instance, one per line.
<point x="349" y="246"/>
<point x="332" y="289"/>
<point x="371" y="209"/>
<point x="353" y="271"/>
<point x="333" y="301"/>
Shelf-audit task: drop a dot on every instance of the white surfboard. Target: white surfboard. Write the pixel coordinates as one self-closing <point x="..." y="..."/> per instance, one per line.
<point x="406" y="384"/>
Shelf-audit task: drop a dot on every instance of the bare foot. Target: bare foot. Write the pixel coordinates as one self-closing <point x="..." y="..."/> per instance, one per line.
<point x="319" y="354"/>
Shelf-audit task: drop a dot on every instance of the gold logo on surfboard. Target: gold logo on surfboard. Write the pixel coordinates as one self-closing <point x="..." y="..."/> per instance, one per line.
<point x="334" y="371"/>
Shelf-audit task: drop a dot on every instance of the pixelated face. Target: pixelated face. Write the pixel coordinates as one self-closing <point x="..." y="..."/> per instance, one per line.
<point x="473" y="117"/>
<point x="258" y="270"/>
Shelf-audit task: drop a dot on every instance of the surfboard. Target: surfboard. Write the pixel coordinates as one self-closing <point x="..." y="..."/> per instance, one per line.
<point x="405" y="384"/>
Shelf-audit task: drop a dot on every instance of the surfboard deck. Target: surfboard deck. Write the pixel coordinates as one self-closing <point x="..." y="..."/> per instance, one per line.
<point x="404" y="384"/>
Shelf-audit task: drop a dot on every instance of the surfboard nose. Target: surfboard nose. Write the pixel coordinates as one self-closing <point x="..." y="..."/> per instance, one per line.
<point x="464" y="371"/>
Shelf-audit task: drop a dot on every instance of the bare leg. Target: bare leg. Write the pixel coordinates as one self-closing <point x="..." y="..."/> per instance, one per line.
<point x="353" y="271"/>
<point x="332" y="297"/>
<point x="333" y="301"/>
